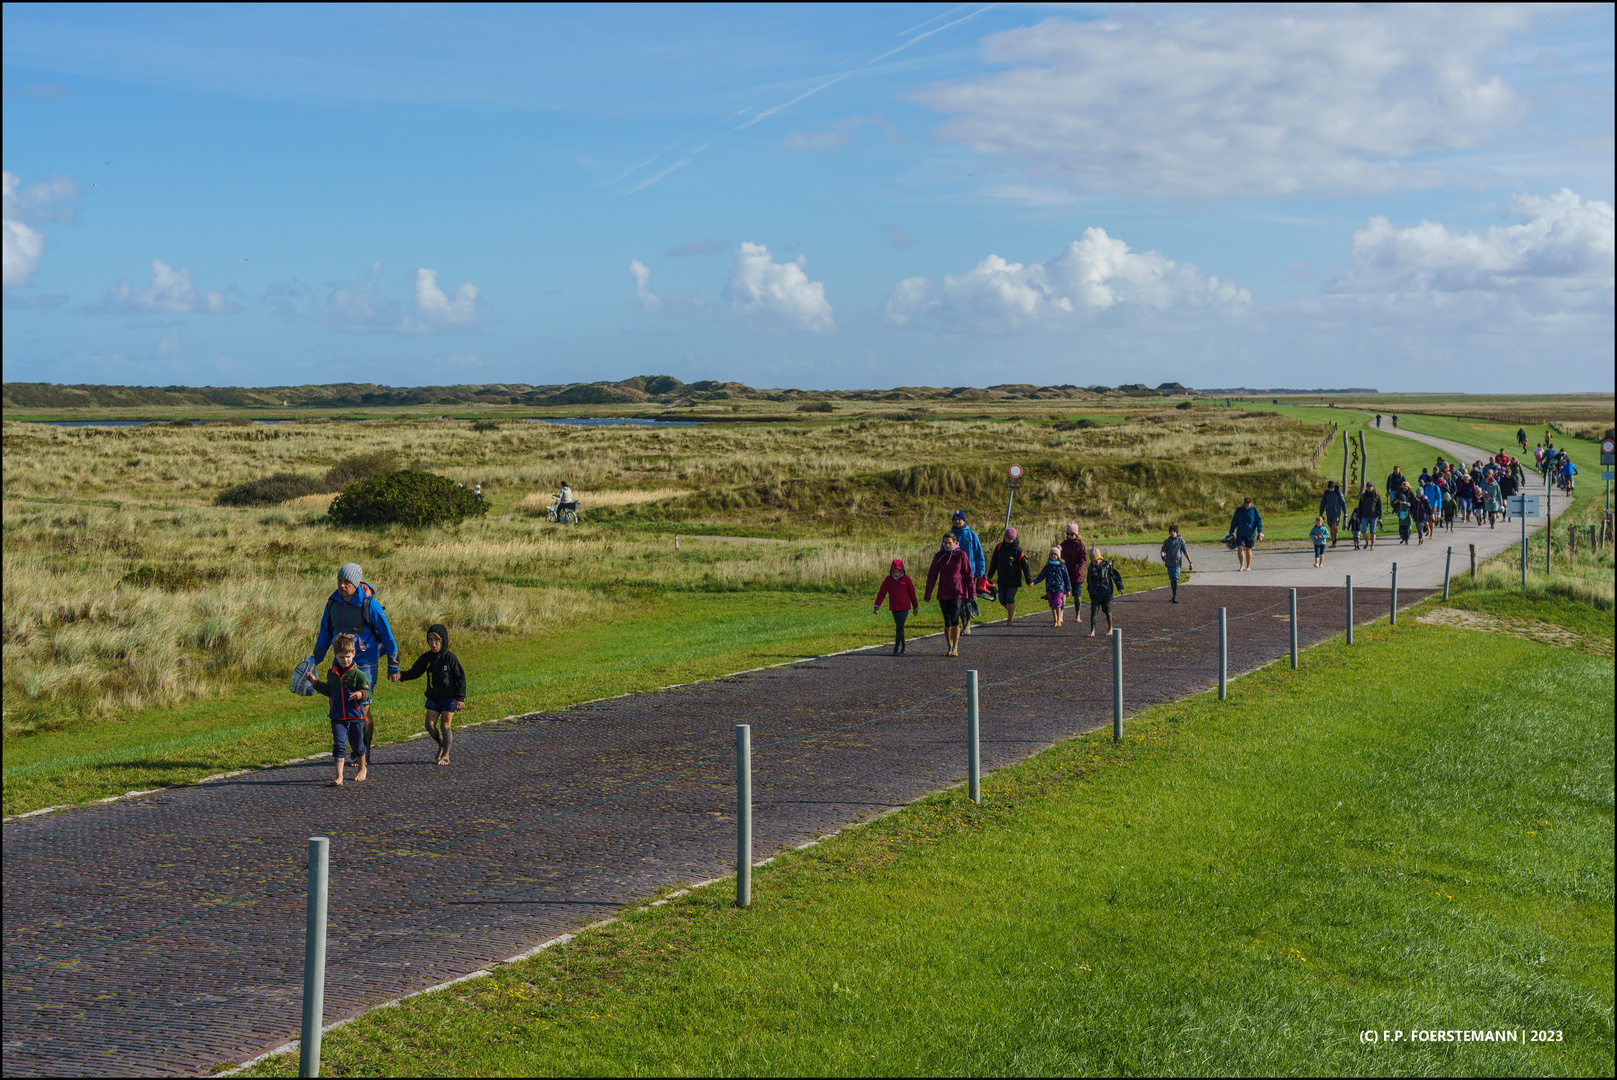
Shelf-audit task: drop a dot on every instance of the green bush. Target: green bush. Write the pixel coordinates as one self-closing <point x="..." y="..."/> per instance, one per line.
<point x="406" y="497"/>
<point x="816" y="406"/>
<point x="357" y="467"/>
<point x="1081" y="424"/>
<point x="485" y="425"/>
<point x="271" y="490"/>
<point x="1185" y="405"/>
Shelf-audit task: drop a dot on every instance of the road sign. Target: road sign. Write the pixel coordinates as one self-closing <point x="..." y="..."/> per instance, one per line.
<point x="1523" y="505"/>
<point x="1608" y="475"/>
<point x="1016" y="472"/>
<point x="1608" y="446"/>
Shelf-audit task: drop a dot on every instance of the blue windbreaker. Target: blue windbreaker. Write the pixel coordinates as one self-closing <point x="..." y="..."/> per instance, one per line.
<point x="1055" y="578"/>
<point x="1246" y="521"/>
<point x="364" y="618"/>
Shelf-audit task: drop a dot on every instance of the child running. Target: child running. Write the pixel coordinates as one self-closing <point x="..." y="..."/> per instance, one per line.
<point x="899" y="592"/>
<point x="1056" y="585"/>
<point x="1173" y="554"/>
<point x="349" y="691"/>
<point x="446" y="687"/>
<point x="1319" y="534"/>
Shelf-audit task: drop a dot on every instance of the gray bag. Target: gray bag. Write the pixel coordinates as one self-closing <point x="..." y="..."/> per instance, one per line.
<point x="301" y="685"/>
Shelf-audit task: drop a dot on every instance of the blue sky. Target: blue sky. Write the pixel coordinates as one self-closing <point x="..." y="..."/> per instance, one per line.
<point x="820" y="197"/>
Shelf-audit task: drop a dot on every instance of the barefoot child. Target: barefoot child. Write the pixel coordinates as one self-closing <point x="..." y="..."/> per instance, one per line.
<point x="1056" y="584"/>
<point x="1319" y="534"/>
<point x="446" y="687"/>
<point x="349" y="691"/>
<point x="899" y="592"/>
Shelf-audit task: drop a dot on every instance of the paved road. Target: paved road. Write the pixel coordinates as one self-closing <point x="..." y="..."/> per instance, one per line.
<point x="545" y="822"/>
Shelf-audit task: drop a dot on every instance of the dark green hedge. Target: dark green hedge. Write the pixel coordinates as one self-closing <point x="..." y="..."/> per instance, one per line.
<point x="406" y="497"/>
<point x="271" y="490"/>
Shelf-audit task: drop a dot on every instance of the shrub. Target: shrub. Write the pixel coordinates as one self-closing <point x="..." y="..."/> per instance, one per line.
<point x="357" y="467"/>
<point x="1185" y="405"/>
<point x="406" y="497"/>
<point x="1076" y="425"/>
<point x="485" y="425"/>
<point x="816" y="406"/>
<point x="270" y="490"/>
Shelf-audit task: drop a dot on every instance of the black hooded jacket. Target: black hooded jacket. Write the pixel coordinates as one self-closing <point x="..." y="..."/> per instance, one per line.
<point x="446" y="679"/>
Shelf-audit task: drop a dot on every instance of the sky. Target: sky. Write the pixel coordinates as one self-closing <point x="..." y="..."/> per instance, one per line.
<point x="1401" y="197"/>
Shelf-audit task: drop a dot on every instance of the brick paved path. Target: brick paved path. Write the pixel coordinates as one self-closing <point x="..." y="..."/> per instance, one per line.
<point x="228" y="984"/>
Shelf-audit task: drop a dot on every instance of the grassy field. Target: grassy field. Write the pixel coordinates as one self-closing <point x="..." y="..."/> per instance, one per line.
<point x="1234" y="890"/>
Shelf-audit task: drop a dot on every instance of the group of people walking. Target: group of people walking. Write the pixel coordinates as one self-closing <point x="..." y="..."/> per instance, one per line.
<point x="354" y="627"/>
<point x="961" y="573"/>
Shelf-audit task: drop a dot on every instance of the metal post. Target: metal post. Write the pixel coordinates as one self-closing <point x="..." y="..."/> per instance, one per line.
<point x="314" y="957"/>
<point x="1392" y="619"/>
<point x="1473" y="561"/>
<point x="1117" y="684"/>
<point x="1549" y="529"/>
<point x="1223" y="655"/>
<point x="1350" y="608"/>
<point x="1524" y="544"/>
<point x="1294" y="629"/>
<point x="1448" y="562"/>
<point x="973" y="731"/>
<point x="1008" y="504"/>
<point x="743" y="815"/>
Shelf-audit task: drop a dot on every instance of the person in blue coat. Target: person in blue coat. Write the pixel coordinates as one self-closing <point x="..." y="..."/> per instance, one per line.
<point x="973" y="548"/>
<point x="354" y="609"/>
<point x="1246" y="529"/>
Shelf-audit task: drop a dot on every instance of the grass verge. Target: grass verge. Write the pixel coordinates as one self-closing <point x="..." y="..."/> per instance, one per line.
<point x="1235" y="889"/>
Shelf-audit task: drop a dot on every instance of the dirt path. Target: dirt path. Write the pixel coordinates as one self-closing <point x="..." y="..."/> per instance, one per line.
<point x="545" y="822"/>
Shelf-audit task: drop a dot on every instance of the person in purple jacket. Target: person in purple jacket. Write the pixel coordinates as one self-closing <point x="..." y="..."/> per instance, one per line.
<point x="951" y="575"/>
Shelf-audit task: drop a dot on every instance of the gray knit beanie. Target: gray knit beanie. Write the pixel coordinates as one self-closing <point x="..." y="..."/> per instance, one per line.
<point x="350" y="572"/>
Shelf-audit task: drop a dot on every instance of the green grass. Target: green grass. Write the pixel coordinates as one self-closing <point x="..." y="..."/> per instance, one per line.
<point x="1235" y="889"/>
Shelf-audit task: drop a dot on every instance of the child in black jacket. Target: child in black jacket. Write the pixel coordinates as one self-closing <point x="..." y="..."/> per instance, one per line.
<point x="446" y="687"/>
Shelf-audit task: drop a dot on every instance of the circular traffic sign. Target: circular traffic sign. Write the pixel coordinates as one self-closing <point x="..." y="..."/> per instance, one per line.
<point x="1607" y="446"/>
<point x="1016" y="472"/>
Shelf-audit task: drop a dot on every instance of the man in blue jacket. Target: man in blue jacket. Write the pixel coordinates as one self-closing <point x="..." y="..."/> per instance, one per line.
<point x="1331" y="507"/>
<point x="354" y="609"/>
<point x="973" y="548"/>
<point x="1246" y="527"/>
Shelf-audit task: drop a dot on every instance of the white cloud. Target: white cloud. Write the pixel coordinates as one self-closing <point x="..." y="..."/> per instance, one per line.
<point x="361" y="308"/>
<point x="778" y="294"/>
<point x="434" y="309"/>
<point x="23" y="248"/>
<point x="1303" y="99"/>
<point x="1088" y="277"/>
<point x="24" y="245"/>
<point x="171" y="292"/>
<point x="649" y="301"/>
<point x="1558" y="259"/>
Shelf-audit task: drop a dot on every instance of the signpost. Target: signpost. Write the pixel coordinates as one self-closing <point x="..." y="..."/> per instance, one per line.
<point x="1012" y="481"/>
<point x="1608" y="458"/>
<point x="1524" y="507"/>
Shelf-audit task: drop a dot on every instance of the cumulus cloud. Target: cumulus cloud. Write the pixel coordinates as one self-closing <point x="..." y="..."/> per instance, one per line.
<point x="777" y="294"/>
<point x="1317" y="99"/>
<point x="24" y="245"/>
<point x="649" y="301"/>
<point x="362" y="308"/>
<point x="170" y="292"/>
<point x="1558" y="258"/>
<point x="1090" y="276"/>
<point x="434" y="308"/>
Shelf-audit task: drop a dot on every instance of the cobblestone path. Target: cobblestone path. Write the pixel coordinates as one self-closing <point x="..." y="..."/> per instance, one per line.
<point x="227" y="985"/>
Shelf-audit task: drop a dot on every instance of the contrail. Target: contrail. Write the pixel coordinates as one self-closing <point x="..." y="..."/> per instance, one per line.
<point x="874" y="60"/>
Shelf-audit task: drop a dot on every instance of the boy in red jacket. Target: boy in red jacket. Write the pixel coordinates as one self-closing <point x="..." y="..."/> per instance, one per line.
<point x="899" y="592"/>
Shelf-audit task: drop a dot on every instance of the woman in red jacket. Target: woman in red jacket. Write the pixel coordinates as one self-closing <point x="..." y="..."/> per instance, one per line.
<point x="951" y="575"/>
<point x="899" y="592"/>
